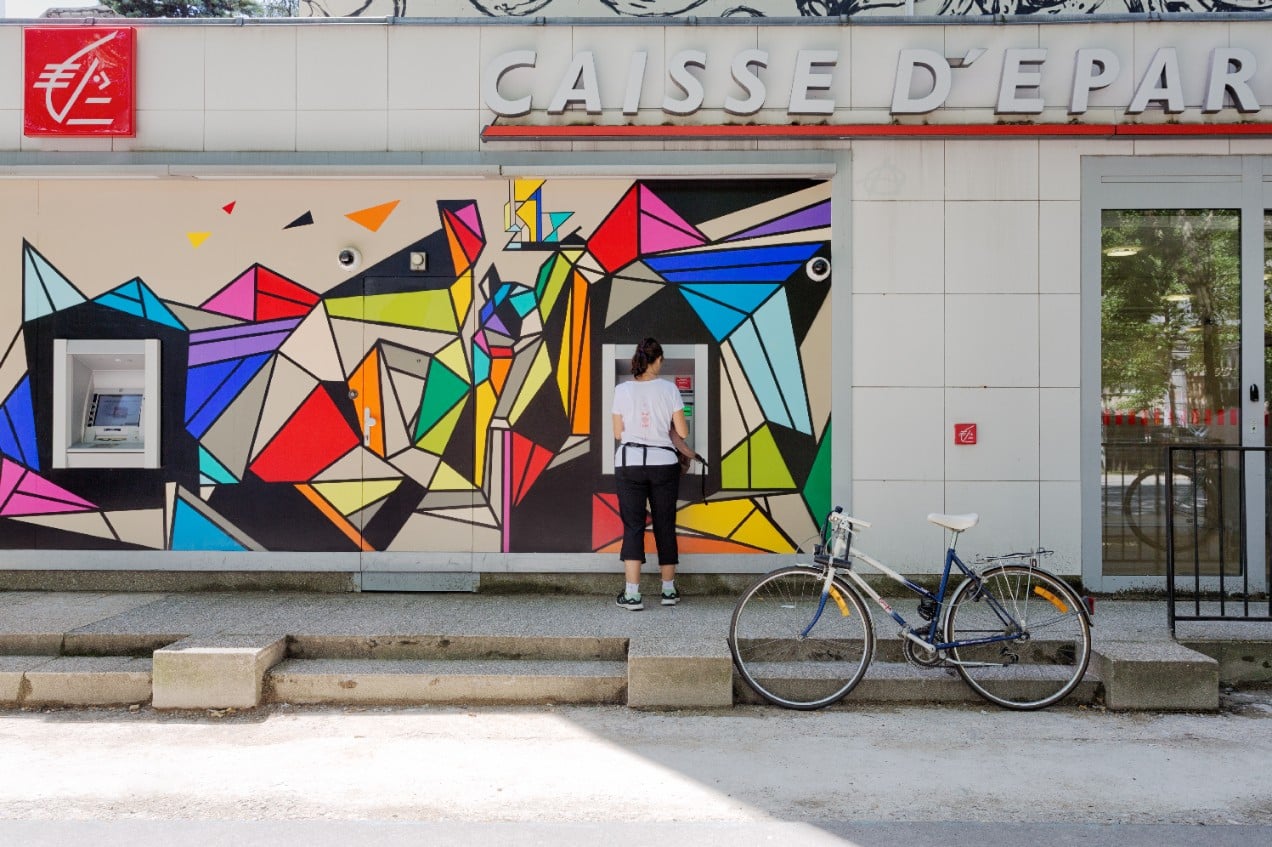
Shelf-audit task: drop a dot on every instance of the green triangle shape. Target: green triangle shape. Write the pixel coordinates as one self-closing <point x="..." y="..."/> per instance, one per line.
<point x="757" y="463"/>
<point x="817" y="487"/>
<point x="735" y="467"/>
<point x="443" y="388"/>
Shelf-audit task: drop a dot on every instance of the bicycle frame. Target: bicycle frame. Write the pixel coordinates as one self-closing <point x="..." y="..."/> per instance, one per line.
<point x="928" y="643"/>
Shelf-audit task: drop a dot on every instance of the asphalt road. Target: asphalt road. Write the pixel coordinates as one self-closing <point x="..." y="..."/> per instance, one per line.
<point x="870" y="777"/>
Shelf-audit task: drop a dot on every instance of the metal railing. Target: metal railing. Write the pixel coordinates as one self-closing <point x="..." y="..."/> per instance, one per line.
<point x="1208" y="573"/>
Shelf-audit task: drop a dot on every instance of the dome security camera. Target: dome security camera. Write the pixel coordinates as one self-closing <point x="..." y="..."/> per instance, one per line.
<point x="818" y="268"/>
<point x="349" y="258"/>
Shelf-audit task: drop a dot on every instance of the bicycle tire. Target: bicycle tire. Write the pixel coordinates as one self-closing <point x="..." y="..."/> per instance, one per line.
<point x="1190" y="501"/>
<point x="1032" y="672"/>
<point x="785" y="667"/>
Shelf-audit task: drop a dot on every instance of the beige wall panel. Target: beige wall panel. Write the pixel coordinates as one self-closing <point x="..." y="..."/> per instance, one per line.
<point x="139" y="526"/>
<point x="85" y="523"/>
<point x="424" y="533"/>
<point x="790" y="512"/>
<point x="814" y="353"/>
<point x="357" y="80"/>
<point x="435" y="71"/>
<point x="250" y="68"/>
<point x="313" y="346"/>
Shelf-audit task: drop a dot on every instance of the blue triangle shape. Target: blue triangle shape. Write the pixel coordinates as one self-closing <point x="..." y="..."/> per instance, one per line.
<point x="743" y="296"/>
<point x="193" y="531"/>
<point x="156" y="310"/>
<point x="720" y="319"/>
<point x="211" y="388"/>
<point x="44" y="289"/>
<point x="17" y="426"/>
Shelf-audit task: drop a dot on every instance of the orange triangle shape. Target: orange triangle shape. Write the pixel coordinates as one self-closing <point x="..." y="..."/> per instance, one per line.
<point x="374" y="217"/>
<point x="458" y="259"/>
<point x="365" y="383"/>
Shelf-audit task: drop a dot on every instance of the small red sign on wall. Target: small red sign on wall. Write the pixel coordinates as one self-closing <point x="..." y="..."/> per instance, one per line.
<point x="964" y="433"/>
<point x="78" y="81"/>
<point x="684" y="383"/>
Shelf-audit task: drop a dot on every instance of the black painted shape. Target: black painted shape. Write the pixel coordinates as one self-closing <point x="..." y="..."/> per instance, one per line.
<point x="304" y="220"/>
<point x="278" y="516"/>
<point x="393" y="514"/>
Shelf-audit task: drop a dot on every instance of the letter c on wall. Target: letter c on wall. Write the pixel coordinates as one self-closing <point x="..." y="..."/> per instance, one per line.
<point x="495" y="71"/>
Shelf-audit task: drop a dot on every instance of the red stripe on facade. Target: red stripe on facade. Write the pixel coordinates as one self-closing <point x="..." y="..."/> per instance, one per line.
<point x="525" y="132"/>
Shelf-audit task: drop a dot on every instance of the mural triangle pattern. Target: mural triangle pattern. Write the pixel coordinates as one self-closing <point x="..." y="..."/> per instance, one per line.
<point x="17" y="426"/>
<point x="136" y="298"/>
<point x="23" y="492"/>
<point x="316" y="435"/>
<point x="44" y="289"/>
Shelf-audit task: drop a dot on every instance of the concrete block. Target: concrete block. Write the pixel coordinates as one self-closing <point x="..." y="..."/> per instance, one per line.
<point x="215" y="672"/>
<point x="1241" y="661"/>
<point x="88" y="681"/>
<point x="1156" y="675"/>
<point x="667" y="672"/>
<point x="13" y="676"/>
<point x="469" y="681"/>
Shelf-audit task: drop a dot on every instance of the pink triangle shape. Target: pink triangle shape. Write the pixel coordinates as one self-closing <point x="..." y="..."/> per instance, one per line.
<point x="468" y="215"/>
<point x="657" y="237"/>
<point x="35" y="495"/>
<point x="20" y="504"/>
<point x="10" y="475"/>
<point x="238" y="299"/>
<point x="652" y="204"/>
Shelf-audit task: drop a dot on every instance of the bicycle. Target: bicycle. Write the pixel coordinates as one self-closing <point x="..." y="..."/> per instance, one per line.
<point x="802" y="636"/>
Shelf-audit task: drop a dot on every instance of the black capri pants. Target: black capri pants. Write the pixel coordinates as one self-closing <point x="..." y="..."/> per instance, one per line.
<point x="659" y="486"/>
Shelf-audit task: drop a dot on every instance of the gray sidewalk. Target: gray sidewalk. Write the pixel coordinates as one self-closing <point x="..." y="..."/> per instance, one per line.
<point x="366" y="639"/>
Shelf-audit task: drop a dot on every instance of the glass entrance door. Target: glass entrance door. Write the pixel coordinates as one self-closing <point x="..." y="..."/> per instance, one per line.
<point x="1171" y="336"/>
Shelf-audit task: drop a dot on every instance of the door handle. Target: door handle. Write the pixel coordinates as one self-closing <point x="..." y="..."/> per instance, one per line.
<point x="1254" y="392"/>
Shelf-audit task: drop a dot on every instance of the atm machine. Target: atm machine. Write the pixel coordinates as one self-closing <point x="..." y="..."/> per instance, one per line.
<point x="106" y="403"/>
<point x="683" y="364"/>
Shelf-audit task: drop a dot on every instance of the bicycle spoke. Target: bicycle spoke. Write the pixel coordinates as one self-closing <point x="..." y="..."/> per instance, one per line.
<point x="1035" y="665"/>
<point x="782" y="666"/>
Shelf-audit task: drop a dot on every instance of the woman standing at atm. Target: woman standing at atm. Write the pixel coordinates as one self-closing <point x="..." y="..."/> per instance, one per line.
<point x="647" y="410"/>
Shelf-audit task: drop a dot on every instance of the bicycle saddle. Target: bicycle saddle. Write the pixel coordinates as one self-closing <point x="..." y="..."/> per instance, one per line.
<point x="957" y="523"/>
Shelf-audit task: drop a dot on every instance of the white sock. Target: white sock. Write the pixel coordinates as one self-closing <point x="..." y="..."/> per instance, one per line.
<point x="633" y="590"/>
<point x="669" y="585"/>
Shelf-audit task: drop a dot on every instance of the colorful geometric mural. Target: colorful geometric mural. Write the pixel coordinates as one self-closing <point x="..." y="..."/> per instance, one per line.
<point x="448" y="396"/>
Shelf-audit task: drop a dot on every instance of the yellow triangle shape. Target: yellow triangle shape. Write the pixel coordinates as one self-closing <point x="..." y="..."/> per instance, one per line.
<point x="197" y="238"/>
<point x="349" y="497"/>
<point x="758" y="531"/>
<point x="721" y="518"/>
<point x="374" y="217"/>
<point x="452" y="356"/>
<point x="449" y="479"/>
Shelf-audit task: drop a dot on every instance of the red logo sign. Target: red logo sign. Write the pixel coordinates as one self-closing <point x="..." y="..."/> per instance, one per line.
<point x="78" y="81"/>
<point x="965" y="433"/>
<point x="684" y="383"/>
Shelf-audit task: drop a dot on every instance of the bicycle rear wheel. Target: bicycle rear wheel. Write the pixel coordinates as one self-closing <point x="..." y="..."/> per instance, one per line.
<point x="1032" y="671"/>
<point x="775" y="657"/>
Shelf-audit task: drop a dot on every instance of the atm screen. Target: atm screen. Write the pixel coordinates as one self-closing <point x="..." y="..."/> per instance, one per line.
<point x="115" y="410"/>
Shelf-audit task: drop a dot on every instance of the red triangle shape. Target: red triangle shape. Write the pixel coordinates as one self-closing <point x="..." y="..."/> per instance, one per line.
<point x="229" y="207"/>
<point x="613" y="244"/>
<point x="316" y="435"/>
<point x="606" y="524"/>
<point x="528" y="462"/>
<point x="470" y="242"/>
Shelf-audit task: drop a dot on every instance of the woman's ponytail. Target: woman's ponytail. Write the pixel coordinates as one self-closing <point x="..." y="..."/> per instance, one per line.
<point x="647" y="352"/>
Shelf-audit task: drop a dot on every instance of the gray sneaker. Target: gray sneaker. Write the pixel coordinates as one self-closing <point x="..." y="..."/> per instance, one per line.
<point x="670" y="598"/>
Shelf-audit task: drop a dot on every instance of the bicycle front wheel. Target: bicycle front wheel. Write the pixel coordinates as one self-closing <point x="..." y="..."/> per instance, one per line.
<point x="1045" y="636"/>
<point x="786" y="662"/>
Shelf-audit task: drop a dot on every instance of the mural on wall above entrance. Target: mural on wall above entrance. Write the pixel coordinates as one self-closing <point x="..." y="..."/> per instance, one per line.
<point x="447" y="396"/>
<point x="757" y="8"/>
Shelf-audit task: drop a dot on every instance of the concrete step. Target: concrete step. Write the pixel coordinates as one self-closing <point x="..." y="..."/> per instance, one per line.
<point x="466" y="681"/>
<point x="1158" y="675"/>
<point x="74" y="680"/>
<point x="901" y="682"/>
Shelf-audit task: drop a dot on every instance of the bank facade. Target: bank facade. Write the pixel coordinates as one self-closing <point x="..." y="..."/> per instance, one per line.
<point x="363" y="315"/>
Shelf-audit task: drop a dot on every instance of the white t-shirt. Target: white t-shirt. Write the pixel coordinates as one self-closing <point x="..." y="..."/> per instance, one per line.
<point x="647" y="407"/>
